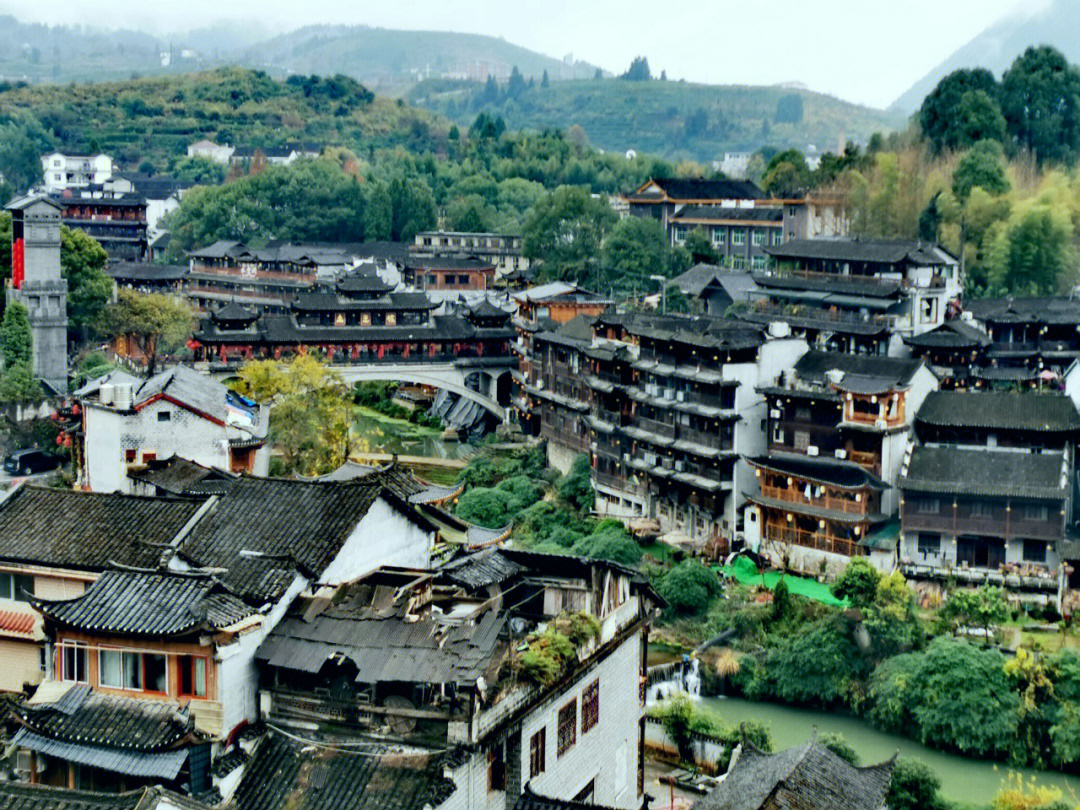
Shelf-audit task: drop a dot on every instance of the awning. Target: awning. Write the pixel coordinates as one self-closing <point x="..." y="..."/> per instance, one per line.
<point x="160" y="765"/>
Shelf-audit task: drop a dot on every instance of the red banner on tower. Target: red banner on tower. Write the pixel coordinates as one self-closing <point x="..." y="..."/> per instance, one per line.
<point x="18" y="264"/>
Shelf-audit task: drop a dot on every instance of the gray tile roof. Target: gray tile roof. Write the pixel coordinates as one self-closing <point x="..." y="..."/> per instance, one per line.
<point x="863" y="286"/>
<point x="854" y="249"/>
<point x="680" y="188"/>
<point x="954" y="334"/>
<point x="148" y="603"/>
<point x="862" y="371"/>
<point x="88" y="530"/>
<point x="1056" y="310"/>
<point x="177" y="476"/>
<point x="199" y="391"/>
<point x="479" y="570"/>
<point x="833" y="471"/>
<point x="806" y="777"/>
<point x="22" y="796"/>
<point x="949" y="470"/>
<point x="1000" y="410"/>
<point x="285" y="775"/>
<point x="158" y="765"/>
<point x="111" y="721"/>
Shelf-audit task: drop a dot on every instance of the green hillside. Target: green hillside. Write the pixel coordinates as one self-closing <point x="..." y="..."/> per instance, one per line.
<point x="156" y="118"/>
<point x="675" y="120"/>
<point x="391" y="60"/>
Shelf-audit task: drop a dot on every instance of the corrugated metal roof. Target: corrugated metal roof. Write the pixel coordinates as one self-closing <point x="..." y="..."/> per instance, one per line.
<point x="161" y="765"/>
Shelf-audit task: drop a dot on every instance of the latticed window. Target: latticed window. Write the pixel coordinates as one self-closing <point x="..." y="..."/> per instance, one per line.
<point x="567" y="727"/>
<point x="590" y="706"/>
<point x="538" y="753"/>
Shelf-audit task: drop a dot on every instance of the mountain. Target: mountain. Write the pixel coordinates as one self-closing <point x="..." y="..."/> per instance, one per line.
<point x="1053" y="23"/>
<point x="675" y="120"/>
<point x="392" y="60"/>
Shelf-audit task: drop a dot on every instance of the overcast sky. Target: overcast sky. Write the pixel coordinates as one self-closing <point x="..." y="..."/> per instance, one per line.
<point x="869" y="51"/>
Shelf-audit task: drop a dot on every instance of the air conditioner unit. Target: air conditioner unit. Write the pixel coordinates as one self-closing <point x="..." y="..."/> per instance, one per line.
<point x="774" y="413"/>
<point x="812" y="450"/>
<point x="650" y="459"/>
<point x="680" y="396"/>
<point x="841" y="454"/>
<point x="669" y="393"/>
<point x="680" y="466"/>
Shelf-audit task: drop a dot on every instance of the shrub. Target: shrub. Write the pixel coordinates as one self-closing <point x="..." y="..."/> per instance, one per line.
<point x="688" y="587"/>
<point x="575" y="488"/>
<point x="522" y="491"/>
<point x="479" y="472"/>
<point x="609" y="543"/>
<point x="815" y="666"/>
<point x="914" y="786"/>
<point x="836" y="743"/>
<point x="546" y="657"/>
<point x="858" y="583"/>
<point x="890" y="692"/>
<point x="484" y="506"/>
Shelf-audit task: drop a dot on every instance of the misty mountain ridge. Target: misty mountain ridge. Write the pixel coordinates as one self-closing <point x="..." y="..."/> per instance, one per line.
<point x="1055" y="22"/>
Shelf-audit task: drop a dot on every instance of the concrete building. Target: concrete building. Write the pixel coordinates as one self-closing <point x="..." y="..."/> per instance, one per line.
<point x="128" y="422"/>
<point x="501" y="250"/>
<point x="207" y="149"/>
<point x="37" y="284"/>
<point x="75" y="171"/>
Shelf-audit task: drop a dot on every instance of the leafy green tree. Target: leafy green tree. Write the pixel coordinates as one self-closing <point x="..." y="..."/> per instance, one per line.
<point x="15" y="335"/>
<point x="23" y="140"/>
<point x="564" y="232"/>
<point x="413" y="209"/>
<point x="1064" y="711"/>
<point x="484" y="506"/>
<point x="378" y="212"/>
<point x="17" y="385"/>
<point x="467" y="214"/>
<point x="82" y="263"/>
<point x="858" y="583"/>
<point x="638" y="70"/>
<point x="636" y="248"/>
<point x="980" y="119"/>
<point x="200" y="170"/>
<point x="787" y="174"/>
<point x="981" y="166"/>
<point x="1033" y="256"/>
<point x="675" y="299"/>
<point x="157" y="324"/>
<point x="939" y="116"/>
<point x="914" y="786"/>
<point x="1040" y="98"/>
<point x="544" y="81"/>
<point x="981" y="608"/>
<point x="700" y="247"/>
<point x="523" y="492"/>
<point x="610" y="542"/>
<point x="836" y="743"/>
<point x="575" y="488"/>
<point x="816" y="666"/>
<point x="310" y="411"/>
<point x="890" y="692"/>
<point x="962" y="699"/>
<point x="688" y="587"/>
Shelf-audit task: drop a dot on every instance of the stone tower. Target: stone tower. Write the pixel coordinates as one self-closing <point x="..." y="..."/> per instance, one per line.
<point x="36" y="283"/>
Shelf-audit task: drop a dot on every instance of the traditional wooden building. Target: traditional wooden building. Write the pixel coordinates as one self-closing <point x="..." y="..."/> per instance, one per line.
<point x="955" y="351"/>
<point x="455" y="273"/>
<point x="837" y="428"/>
<point x="116" y="221"/>
<point x="1029" y="334"/>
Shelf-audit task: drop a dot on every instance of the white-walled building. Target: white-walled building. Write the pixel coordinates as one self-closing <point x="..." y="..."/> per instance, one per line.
<point x="75" y="171"/>
<point x="219" y="153"/>
<point x="128" y="422"/>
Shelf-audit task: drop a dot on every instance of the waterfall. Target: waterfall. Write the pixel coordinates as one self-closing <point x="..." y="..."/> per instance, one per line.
<point x="666" y="680"/>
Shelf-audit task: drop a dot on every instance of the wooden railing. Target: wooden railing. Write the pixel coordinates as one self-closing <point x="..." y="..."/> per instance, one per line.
<point x="795" y="495"/>
<point x="788" y="535"/>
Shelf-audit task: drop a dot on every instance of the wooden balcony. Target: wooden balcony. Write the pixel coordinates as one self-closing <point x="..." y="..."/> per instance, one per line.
<point x="795" y="495"/>
<point x="653" y="426"/>
<point x="822" y="541"/>
<point x="950" y="521"/>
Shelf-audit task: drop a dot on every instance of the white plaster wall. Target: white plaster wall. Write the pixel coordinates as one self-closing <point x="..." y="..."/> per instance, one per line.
<point x="238" y="680"/>
<point x="104" y="461"/>
<point x="383" y="537"/>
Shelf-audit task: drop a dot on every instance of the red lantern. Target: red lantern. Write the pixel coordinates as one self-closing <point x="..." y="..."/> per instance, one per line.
<point x="59" y="439"/>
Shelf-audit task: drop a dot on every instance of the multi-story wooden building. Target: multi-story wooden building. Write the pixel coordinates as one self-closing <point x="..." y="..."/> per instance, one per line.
<point x="988" y="488"/>
<point x="857" y="295"/>
<point x="117" y="221"/>
<point x="837" y="428"/>
<point x="1028" y="335"/>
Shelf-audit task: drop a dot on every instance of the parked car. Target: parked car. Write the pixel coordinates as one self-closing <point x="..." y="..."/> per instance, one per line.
<point x="28" y="462"/>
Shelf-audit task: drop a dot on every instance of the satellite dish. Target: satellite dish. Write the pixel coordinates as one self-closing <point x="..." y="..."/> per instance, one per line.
<point x="401" y="726"/>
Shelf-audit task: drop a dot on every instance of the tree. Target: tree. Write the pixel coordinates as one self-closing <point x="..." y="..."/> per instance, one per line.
<point x="914" y="786"/>
<point x="700" y="247"/>
<point x="1033" y="256"/>
<point x="816" y="666"/>
<point x="980" y="119"/>
<point x="16" y="336"/>
<point x="564" y="232"/>
<point x="199" y="170"/>
<point x="638" y="70"/>
<point x="515" y="86"/>
<point x="787" y="174"/>
<point x="485" y="507"/>
<point x="310" y="408"/>
<point x="378" y="212"/>
<point x="17" y="384"/>
<point x="157" y="324"/>
<point x="413" y="209"/>
<point x="858" y="583"/>
<point x="23" y="140"/>
<point x="636" y="248"/>
<point x="467" y="214"/>
<point x="609" y="541"/>
<point x="688" y="587"/>
<point x="575" y="487"/>
<point x="544" y="81"/>
<point x="1040" y="98"/>
<point x="789" y="109"/>
<point x="939" y="116"/>
<point x="981" y="607"/>
<point x="980" y="166"/>
<point x="82" y="263"/>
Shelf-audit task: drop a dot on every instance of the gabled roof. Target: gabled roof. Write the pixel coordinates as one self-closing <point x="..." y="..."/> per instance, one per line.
<point x="146" y="271"/>
<point x="148" y="603"/>
<point x="1050" y="310"/>
<point x="481" y="569"/>
<point x="722" y="214"/>
<point x="559" y="290"/>
<point x="24" y="796"/>
<point x="954" y="334"/>
<point x="856" y="249"/>
<point x="836" y="283"/>
<point x="414" y="262"/>
<point x="61" y="528"/>
<point x="690" y="189"/>
<point x="112" y="721"/>
<point x="263" y="529"/>
<point x="952" y="471"/>
<point x="1000" y="410"/>
<point x="178" y="476"/>
<point x="234" y="311"/>
<point x="22" y="203"/>
<point x="184" y="385"/>
<point x="807" y="777"/>
<point x="722" y="334"/>
<point x="285" y="774"/>
<point x="859" y="373"/>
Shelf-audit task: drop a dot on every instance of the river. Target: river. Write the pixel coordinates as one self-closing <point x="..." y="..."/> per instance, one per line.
<point x="962" y="779"/>
<point x="381" y="434"/>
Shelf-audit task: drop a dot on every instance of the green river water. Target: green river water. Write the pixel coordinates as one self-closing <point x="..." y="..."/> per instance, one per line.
<point x="962" y="779"/>
<point x="385" y="435"/>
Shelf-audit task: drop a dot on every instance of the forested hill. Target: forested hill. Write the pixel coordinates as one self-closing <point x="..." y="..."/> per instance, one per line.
<point x="156" y="118"/>
<point x="389" y="60"/>
<point x="674" y="120"/>
<point x="1057" y="24"/>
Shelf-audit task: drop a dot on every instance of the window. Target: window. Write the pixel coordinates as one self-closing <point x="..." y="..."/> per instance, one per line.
<point x="567" y="727"/>
<point x="16" y="586"/>
<point x="365" y="319"/>
<point x="130" y="455"/>
<point x="119" y="669"/>
<point x="433" y="280"/>
<point x="463" y="281"/>
<point x="928" y="506"/>
<point x="590" y="706"/>
<point x="778" y="435"/>
<point x="1035" y="551"/>
<point x="164" y="416"/>
<point x="929" y="544"/>
<point x="757" y="237"/>
<point x="981" y="509"/>
<point x="757" y="263"/>
<point x="1035" y="511"/>
<point x="147" y="457"/>
<point x="738" y="262"/>
<point x="679" y="232"/>
<point x="73" y="662"/>
<point x="778" y="237"/>
<point x="719" y="236"/>
<point x="538" y="753"/>
<point x="192" y="675"/>
<point x="391" y="319"/>
<point x="929" y="310"/>
<point x="738" y="236"/>
<point x="587" y="795"/>
<point x="802" y="440"/>
<point x="496" y="766"/>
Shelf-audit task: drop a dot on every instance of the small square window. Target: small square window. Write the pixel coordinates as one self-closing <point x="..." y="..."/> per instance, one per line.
<point x="164" y="416"/>
<point x="130" y="456"/>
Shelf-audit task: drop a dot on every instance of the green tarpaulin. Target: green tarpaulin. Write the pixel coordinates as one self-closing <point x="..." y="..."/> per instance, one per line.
<point x="743" y="571"/>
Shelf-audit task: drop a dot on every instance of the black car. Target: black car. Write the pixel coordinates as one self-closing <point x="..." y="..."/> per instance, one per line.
<point x="28" y="462"/>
